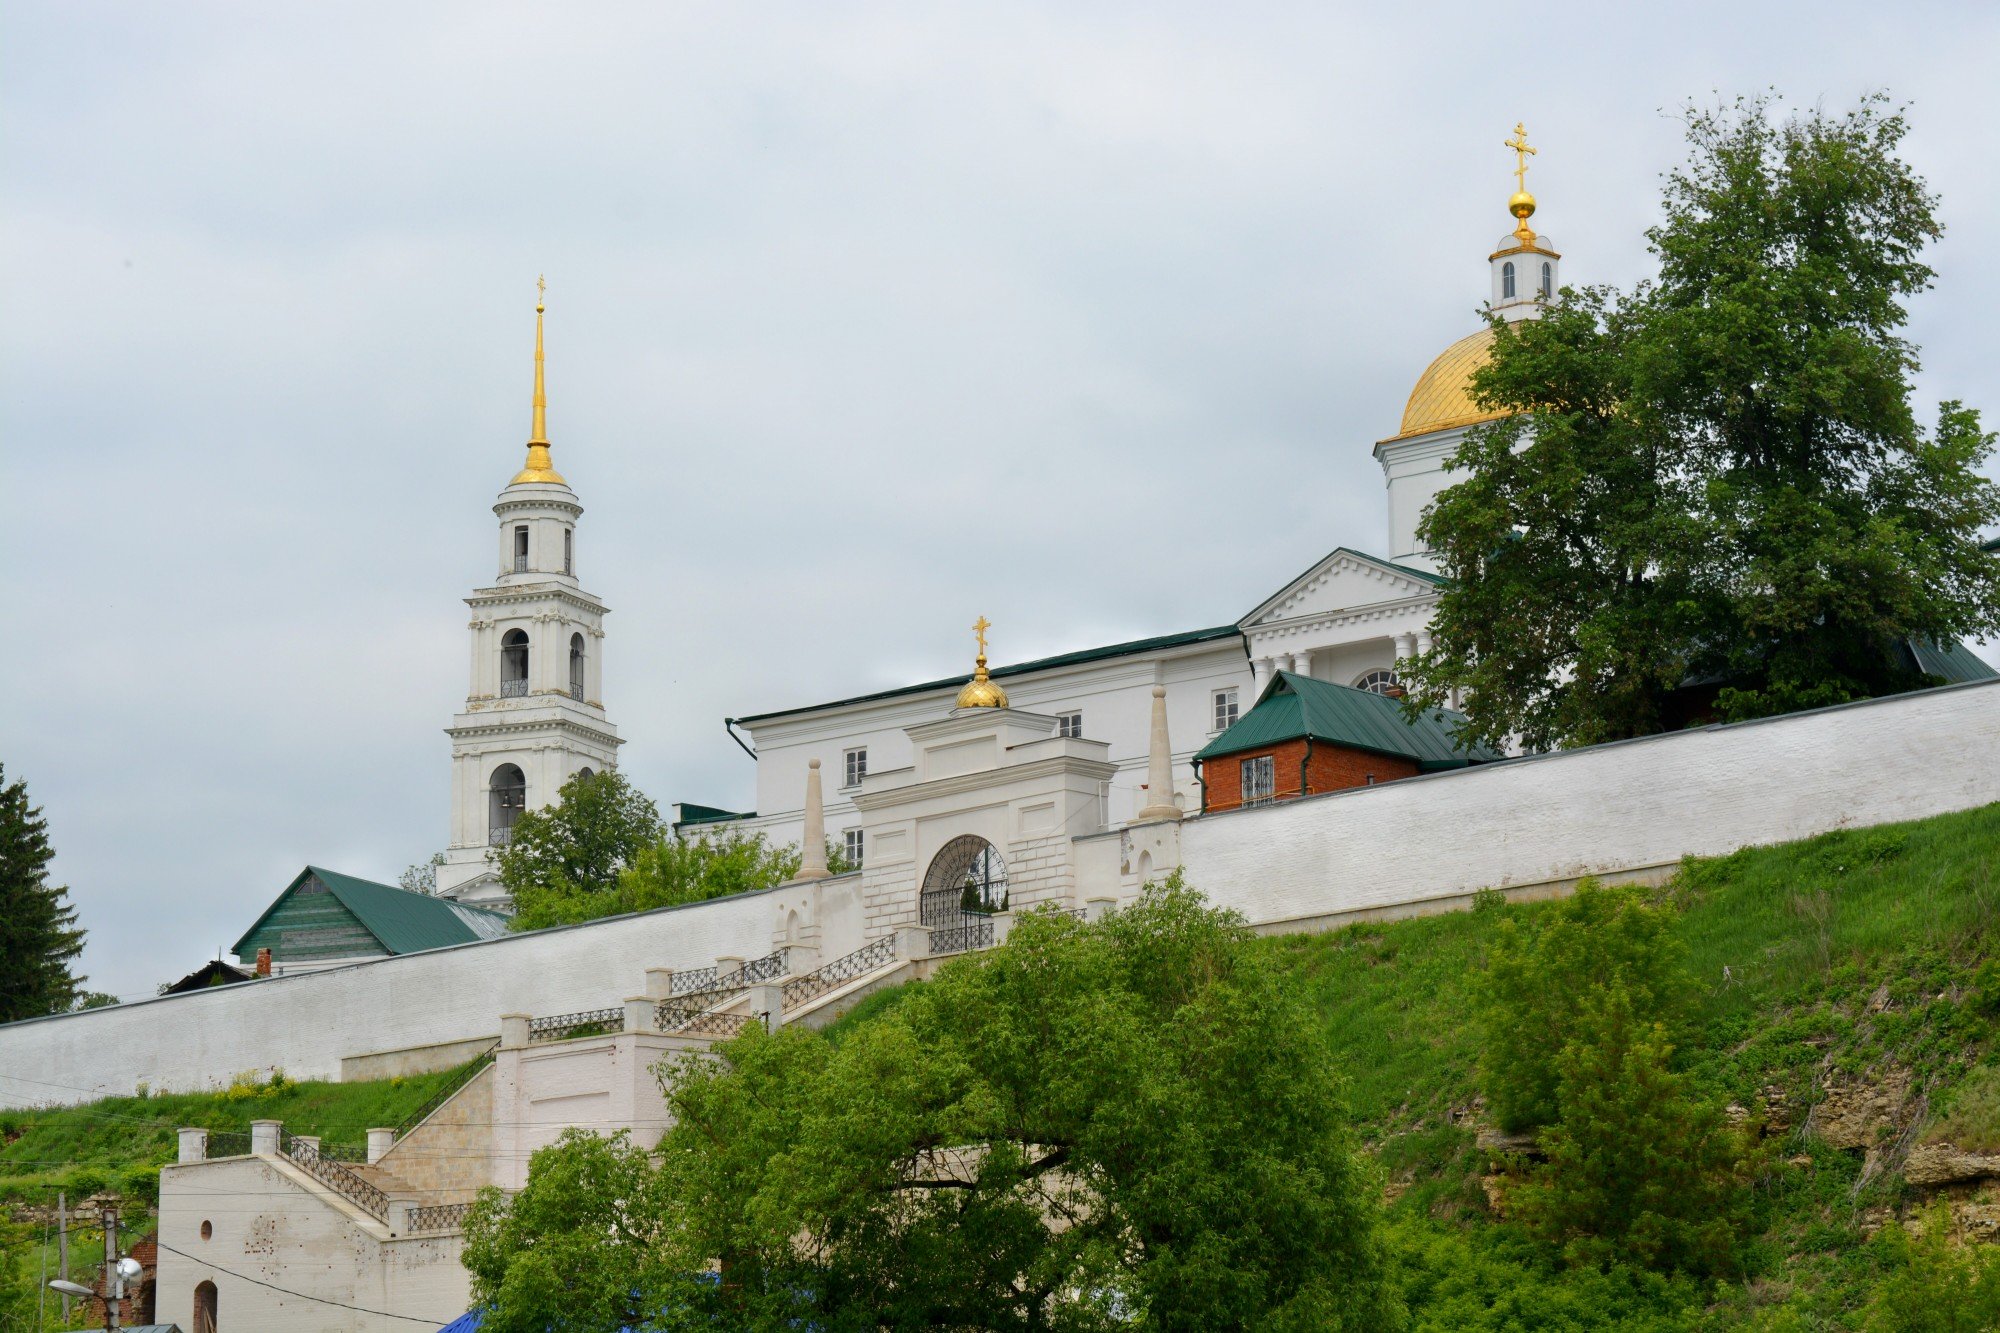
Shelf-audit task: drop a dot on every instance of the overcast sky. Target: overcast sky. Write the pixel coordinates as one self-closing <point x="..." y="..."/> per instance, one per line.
<point x="864" y="320"/>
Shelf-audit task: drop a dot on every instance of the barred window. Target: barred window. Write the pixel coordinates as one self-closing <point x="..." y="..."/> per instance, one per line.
<point x="850" y="846"/>
<point x="1259" y="779"/>
<point x="1225" y="709"/>
<point x="854" y="767"/>
<point x="1069" y="724"/>
<point x="520" y="550"/>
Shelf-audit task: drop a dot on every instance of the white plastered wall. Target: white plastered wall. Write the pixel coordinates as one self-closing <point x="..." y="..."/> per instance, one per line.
<point x="305" y="1023"/>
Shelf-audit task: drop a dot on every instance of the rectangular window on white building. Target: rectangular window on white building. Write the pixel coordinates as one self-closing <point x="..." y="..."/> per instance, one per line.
<point x="850" y="846"/>
<point x="854" y="767"/>
<point x="520" y="550"/>
<point x="1225" y="709"/>
<point x="1069" y="724"/>
<point x="1259" y="779"/>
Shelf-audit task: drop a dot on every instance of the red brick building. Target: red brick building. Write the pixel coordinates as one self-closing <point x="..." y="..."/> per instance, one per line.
<point x="1307" y="736"/>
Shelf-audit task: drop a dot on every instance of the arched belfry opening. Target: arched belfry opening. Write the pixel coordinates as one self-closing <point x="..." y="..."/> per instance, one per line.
<point x="514" y="664"/>
<point x="508" y="797"/>
<point x="576" y="667"/>
<point x="967" y="878"/>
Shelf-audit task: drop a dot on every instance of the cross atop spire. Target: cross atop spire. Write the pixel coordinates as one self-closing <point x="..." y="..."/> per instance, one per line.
<point x="539" y="468"/>
<point x="1519" y="143"/>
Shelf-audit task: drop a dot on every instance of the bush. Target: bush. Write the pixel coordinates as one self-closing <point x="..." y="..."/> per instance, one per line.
<point x="1538" y="983"/>
<point x="1641" y="1169"/>
<point x="1934" y="1286"/>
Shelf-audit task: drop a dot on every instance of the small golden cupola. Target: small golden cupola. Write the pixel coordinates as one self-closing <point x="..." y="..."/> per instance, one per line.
<point x="539" y="469"/>
<point x="980" y="691"/>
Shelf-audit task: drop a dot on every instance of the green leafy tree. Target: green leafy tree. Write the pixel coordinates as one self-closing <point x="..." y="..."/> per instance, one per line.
<point x="1641" y="1168"/>
<point x="1542" y="982"/>
<point x="39" y="937"/>
<point x="598" y="823"/>
<point x="1089" y="1127"/>
<point x="1717" y="476"/>
<point x="578" y="1250"/>
<point x="667" y="873"/>
<point x="423" y="876"/>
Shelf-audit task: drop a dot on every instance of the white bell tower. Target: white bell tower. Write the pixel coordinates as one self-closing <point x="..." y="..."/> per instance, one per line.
<point x="533" y="716"/>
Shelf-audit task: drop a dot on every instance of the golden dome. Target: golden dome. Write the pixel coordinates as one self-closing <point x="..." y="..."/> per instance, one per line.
<point x="980" y="691"/>
<point x="1443" y="396"/>
<point x="1522" y="205"/>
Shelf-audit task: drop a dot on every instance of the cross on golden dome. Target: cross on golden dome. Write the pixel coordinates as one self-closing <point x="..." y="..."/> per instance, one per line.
<point x="980" y="691"/>
<point x="1522" y="205"/>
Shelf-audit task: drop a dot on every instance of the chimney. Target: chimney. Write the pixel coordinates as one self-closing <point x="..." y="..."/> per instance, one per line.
<point x="263" y="962"/>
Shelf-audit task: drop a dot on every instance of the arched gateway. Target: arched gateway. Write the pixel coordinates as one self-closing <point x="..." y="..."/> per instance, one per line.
<point x="967" y="878"/>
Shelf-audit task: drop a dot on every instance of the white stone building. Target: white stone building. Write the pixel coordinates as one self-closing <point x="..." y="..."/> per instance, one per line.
<point x="533" y="715"/>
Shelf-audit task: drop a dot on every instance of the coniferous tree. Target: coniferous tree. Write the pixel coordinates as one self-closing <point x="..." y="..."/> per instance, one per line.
<point x="39" y="937"/>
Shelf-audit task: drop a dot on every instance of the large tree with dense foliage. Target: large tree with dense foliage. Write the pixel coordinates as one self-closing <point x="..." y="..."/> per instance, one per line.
<point x="1090" y="1126"/>
<point x="1719" y="475"/>
<point x="598" y="823"/>
<point x="39" y="937"/>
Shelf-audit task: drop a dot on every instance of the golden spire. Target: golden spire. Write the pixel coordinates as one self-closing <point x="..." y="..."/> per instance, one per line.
<point x="980" y="691"/>
<point x="1522" y="205"/>
<point x="539" y="468"/>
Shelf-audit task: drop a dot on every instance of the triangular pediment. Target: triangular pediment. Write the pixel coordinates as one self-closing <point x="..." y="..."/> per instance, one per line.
<point x="1342" y="580"/>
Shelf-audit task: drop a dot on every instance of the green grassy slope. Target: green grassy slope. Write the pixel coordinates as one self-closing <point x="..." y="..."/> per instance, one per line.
<point x="1850" y="956"/>
<point x="120" y="1143"/>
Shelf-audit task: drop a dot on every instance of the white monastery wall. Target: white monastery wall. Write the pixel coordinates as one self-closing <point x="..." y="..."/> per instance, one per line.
<point x="1627" y="806"/>
<point x="305" y="1023"/>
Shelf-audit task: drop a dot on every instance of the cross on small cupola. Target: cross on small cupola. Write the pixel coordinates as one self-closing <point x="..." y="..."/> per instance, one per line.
<point x="1524" y="266"/>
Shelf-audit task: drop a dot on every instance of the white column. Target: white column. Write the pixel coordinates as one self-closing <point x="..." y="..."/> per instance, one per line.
<point x="1261" y="671"/>
<point x="812" y="843"/>
<point x="380" y="1140"/>
<point x="193" y="1145"/>
<point x="1159" y="767"/>
<point x="264" y="1136"/>
<point x="1302" y="663"/>
<point x="1406" y="646"/>
<point x="1423" y="640"/>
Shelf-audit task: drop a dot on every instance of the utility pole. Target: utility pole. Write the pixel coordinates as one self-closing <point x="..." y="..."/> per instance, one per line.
<point x="62" y="1246"/>
<point x="114" y="1282"/>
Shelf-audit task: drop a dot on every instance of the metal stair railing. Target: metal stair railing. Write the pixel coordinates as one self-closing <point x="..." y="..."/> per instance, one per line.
<point x="585" y="1023"/>
<point x="682" y="1007"/>
<point x="335" y="1177"/>
<point x="464" y="1076"/>
<point x="868" y="958"/>
<point x="439" y="1217"/>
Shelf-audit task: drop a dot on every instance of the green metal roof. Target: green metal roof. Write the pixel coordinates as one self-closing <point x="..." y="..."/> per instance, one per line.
<point x="402" y="921"/>
<point x="709" y="814"/>
<point x="1019" y="669"/>
<point x="1951" y="660"/>
<point x="1299" y="706"/>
